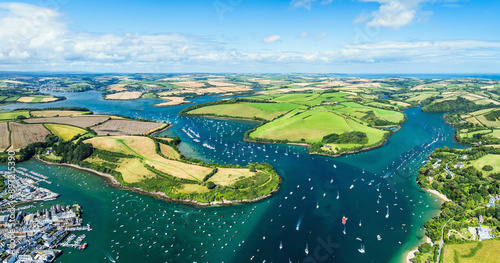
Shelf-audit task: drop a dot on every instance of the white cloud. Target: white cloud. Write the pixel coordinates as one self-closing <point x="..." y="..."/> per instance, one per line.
<point x="308" y="3"/>
<point x="302" y="3"/>
<point x="271" y="38"/>
<point x="304" y="34"/>
<point x="395" y="13"/>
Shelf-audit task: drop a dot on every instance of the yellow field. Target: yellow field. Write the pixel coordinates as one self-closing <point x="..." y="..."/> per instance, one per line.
<point x="228" y="176"/>
<point x="172" y="101"/>
<point x="25" y="99"/>
<point x="133" y="170"/>
<point x="168" y="151"/>
<point x="66" y="132"/>
<point x="487" y="254"/>
<point x="54" y="113"/>
<point x="48" y="99"/>
<point x="221" y="84"/>
<point x="126" y="127"/>
<point x="126" y="95"/>
<point x="23" y="134"/>
<point x="4" y="136"/>
<point x="144" y="148"/>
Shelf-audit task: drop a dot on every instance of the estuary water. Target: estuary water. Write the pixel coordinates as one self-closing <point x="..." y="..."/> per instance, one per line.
<point x="375" y="190"/>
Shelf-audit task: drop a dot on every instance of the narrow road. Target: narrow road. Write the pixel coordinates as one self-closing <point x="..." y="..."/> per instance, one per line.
<point x="441" y="241"/>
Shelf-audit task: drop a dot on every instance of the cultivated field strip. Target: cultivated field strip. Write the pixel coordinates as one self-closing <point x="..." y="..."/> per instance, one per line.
<point x="125" y="127"/>
<point x="4" y="136"/>
<point x="23" y="134"/>
<point x="83" y="121"/>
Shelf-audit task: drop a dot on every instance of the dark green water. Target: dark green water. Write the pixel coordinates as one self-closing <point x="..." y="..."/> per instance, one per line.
<point x="137" y="227"/>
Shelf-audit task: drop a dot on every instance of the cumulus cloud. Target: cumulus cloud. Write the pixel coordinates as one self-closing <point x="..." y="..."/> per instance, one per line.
<point x="271" y="38"/>
<point x="395" y="13"/>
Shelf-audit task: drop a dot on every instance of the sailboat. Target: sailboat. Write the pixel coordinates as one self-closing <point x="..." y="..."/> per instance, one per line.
<point x="387" y="215"/>
<point x="317" y="205"/>
<point x="362" y="249"/>
<point x="338" y="195"/>
<point x="281" y="245"/>
<point x="307" y="250"/>
<point x="379" y="237"/>
<point x="359" y="222"/>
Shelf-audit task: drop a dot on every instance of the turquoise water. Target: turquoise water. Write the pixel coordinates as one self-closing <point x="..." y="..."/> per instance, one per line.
<point x="136" y="227"/>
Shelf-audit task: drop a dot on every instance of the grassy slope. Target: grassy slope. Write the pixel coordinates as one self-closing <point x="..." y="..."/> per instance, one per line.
<point x="311" y="125"/>
<point x="13" y="114"/>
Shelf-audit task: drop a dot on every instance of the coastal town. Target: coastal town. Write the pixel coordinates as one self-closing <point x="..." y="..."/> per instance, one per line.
<point x="29" y="235"/>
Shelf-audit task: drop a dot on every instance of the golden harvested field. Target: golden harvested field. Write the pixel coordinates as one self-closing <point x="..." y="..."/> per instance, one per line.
<point x="126" y="127"/>
<point x="189" y="84"/>
<point x="54" y="113"/>
<point x="172" y="101"/>
<point x="221" y="84"/>
<point x="4" y="136"/>
<point x="126" y="95"/>
<point x="144" y="148"/>
<point x="23" y="134"/>
<point x="228" y="176"/>
<point x="168" y="151"/>
<point x="80" y="121"/>
<point x="117" y="87"/>
<point x="48" y="99"/>
<point x="25" y="99"/>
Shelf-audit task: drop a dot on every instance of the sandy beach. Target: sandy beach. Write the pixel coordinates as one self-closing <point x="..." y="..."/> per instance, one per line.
<point x="441" y="196"/>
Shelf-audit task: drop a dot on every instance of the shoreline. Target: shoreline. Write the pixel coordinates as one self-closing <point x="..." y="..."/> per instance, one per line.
<point x="441" y="196"/>
<point x="113" y="182"/>
<point x="411" y="254"/>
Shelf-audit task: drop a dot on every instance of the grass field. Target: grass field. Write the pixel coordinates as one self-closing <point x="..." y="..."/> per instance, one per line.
<point x="66" y="132"/>
<point x="490" y="159"/>
<point x="4" y="136"/>
<point x="126" y="127"/>
<point x="464" y="253"/>
<point x="310" y="125"/>
<point x="23" y="134"/>
<point x="422" y="96"/>
<point x="56" y="113"/>
<point x="242" y="110"/>
<point x="80" y="121"/>
<point x="13" y="114"/>
<point x="359" y="110"/>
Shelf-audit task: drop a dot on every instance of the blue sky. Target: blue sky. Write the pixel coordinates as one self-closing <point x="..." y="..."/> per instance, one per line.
<point x="316" y="36"/>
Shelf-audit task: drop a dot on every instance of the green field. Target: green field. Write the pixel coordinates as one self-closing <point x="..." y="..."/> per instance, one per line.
<point x="10" y="99"/>
<point x="309" y="125"/>
<point x="472" y="252"/>
<point x="490" y="159"/>
<point x="359" y="111"/>
<point x="66" y="132"/>
<point x="37" y="99"/>
<point x="13" y="114"/>
<point x="266" y="111"/>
